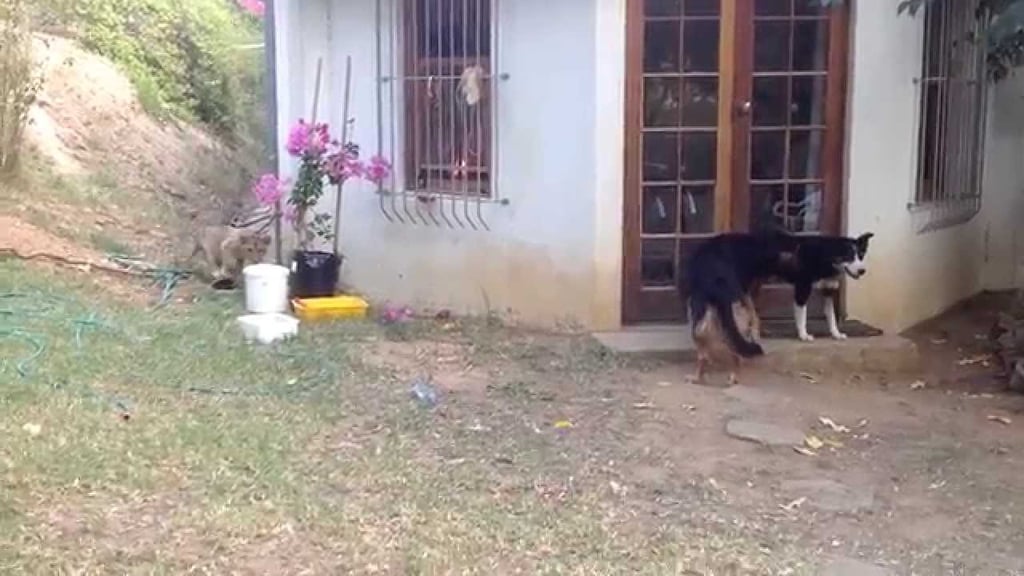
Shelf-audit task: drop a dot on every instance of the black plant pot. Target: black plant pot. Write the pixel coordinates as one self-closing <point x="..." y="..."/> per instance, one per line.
<point x="316" y="274"/>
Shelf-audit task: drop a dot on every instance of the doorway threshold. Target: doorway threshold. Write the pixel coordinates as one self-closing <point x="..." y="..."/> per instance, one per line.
<point x="648" y="338"/>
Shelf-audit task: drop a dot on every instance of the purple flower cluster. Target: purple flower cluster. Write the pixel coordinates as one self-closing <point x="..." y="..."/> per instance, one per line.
<point x="269" y="189"/>
<point x="338" y="162"/>
<point x="255" y="7"/>
<point x="306" y="140"/>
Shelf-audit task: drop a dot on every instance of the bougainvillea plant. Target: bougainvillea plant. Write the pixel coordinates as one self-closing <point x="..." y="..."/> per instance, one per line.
<point x="322" y="161"/>
<point x="255" y="8"/>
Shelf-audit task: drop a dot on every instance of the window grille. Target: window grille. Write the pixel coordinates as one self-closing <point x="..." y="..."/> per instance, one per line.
<point x="953" y="98"/>
<point x="442" y="92"/>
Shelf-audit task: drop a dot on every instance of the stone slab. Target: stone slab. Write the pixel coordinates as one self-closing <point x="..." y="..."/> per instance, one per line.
<point x="764" y="433"/>
<point x="878" y="354"/>
<point x="831" y="496"/>
<point x="851" y="567"/>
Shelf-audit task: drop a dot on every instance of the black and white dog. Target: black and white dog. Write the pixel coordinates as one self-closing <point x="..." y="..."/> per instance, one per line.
<point x="728" y="268"/>
<point x="819" y="262"/>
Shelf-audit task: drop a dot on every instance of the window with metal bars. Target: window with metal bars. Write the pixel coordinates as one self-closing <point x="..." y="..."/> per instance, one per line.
<point x="448" y="97"/>
<point x="953" y="99"/>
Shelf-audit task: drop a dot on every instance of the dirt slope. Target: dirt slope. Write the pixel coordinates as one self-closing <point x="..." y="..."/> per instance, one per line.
<point x="100" y="170"/>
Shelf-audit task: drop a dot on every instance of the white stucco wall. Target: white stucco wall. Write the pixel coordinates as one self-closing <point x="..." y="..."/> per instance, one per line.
<point x="553" y="254"/>
<point x="912" y="275"/>
<point x="559" y="121"/>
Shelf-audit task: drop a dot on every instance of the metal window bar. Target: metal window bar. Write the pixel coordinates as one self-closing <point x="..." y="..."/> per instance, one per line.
<point x="953" y="102"/>
<point x="443" y="97"/>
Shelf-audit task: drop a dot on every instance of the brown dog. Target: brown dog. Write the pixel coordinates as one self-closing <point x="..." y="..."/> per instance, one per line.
<point x="710" y="340"/>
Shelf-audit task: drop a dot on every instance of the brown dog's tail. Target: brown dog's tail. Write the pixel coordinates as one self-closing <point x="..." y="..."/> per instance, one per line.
<point x="737" y="342"/>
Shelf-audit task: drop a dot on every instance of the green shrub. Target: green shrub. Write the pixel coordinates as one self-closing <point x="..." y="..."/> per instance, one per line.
<point x="185" y="57"/>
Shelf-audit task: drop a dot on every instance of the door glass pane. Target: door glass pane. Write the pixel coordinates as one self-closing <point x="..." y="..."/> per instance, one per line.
<point x="661" y="156"/>
<point x="658" y="262"/>
<point x="701" y="7"/>
<point x="808" y="101"/>
<point x="661" y="102"/>
<point x="766" y="207"/>
<point x="771" y="101"/>
<point x="810" y="45"/>
<point x="767" y="155"/>
<point x="662" y="7"/>
<point x="772" y="7"/>
<point x="803" y="207"/>
<point x="700" y="46"/>
<point x="771" y="41"/>
<point x="659" y="209"/>
<point x="806" y="153"/>
<point x="700" y="102"/>
<point x="661" y="46"/>
<point x="697" y="210"/>
<point x="809" y="8"/>
<point x="699" y="156"/>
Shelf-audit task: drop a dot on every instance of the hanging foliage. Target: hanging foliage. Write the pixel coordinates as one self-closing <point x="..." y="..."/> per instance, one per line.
<point x="1005" y="38"/>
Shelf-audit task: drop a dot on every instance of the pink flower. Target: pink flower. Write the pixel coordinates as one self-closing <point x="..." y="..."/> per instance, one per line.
<point x="254" y="7"/>
<point x="268" y="189"/>
<point x="307" y="139"/>
<point x="344" y="165"/>
<point x="377" y="170"/>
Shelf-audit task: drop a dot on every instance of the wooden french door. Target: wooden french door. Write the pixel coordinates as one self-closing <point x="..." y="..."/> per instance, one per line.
<point x="734" y="121"/>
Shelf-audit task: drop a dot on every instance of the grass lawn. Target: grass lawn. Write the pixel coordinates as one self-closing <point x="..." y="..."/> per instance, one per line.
<point x="149" y="441"/>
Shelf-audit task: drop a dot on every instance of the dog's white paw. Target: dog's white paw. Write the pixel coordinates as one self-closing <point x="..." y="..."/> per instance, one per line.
<point x="839" y="335"/>
<point x="806" y="337"/>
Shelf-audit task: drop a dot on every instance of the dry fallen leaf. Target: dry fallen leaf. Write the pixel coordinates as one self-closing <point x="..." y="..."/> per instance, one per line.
<point x="828" y="422"/>
<point x="643" y="405"/>
<point x="813" y="442"/>
<point x="804" y="451"/>
<point x="1000" y="419"/>
<point x="689" y="408"/>
<point x="809" y="377"/>
<point x="972" y="360"/>
<point x="563" y="424"/>
<point x="918" y="385"/>
<point x="793" y="505"/>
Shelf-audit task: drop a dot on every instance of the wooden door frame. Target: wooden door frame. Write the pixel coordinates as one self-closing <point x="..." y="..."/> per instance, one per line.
<point x="731" y="138"/>
<point x="632" y="158"/>
<point x="833" y="154"/>
<point x="633" y="149"/>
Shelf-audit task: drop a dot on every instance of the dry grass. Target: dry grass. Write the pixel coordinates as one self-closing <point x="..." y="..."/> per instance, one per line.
<point x="157" y="442"/>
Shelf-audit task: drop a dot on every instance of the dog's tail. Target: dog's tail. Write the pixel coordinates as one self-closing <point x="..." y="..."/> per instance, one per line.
<point x="739" y="344"/>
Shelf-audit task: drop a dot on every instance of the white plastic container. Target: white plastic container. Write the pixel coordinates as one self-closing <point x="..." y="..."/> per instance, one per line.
<point x="266" y="288"/>
<point x="268" y="328"/>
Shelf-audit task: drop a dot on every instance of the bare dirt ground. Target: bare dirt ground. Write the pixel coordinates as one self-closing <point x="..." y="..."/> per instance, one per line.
<point x="915" y="475"/>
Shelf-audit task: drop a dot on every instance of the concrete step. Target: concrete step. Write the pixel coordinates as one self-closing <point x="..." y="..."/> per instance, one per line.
<point x="876" y="354"/>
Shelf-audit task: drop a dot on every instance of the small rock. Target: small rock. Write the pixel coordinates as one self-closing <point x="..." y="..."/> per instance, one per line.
<point x="767" y="434"/>
<point x="850" y="567"/>
<point x="831" y="496"/>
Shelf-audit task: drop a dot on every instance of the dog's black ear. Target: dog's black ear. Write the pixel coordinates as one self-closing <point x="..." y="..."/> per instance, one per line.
<point x="863" y="238"/>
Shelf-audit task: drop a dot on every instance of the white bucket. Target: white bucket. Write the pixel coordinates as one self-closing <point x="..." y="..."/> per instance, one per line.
<point x="266" y="288"/>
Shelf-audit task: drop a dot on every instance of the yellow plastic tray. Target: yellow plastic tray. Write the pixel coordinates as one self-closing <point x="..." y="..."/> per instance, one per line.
<point x="331" y="308"/>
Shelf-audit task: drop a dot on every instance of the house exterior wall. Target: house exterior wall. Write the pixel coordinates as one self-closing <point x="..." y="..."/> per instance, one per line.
<point x="559" y="122"/>
<point x="554" y="253"/>
<point x="912" y="275"/>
